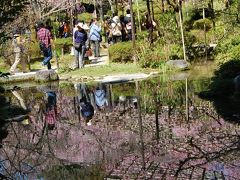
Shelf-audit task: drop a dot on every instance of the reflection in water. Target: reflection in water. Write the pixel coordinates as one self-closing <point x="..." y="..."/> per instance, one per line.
<point x="86" y="107"/>
<point x="51" y="110"/>
<point x="127" y="131"/>
<point x="101" y="97"/>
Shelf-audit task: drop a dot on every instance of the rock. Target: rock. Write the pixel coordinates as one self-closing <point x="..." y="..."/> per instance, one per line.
<point x="46" y="75"/>
<point x="179" y="76"/>
<point x="178" y="64"/>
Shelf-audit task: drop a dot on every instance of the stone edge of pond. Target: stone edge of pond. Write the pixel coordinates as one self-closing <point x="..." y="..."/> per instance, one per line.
<point x="39" y="77"/>
<point x="108" y="78"/>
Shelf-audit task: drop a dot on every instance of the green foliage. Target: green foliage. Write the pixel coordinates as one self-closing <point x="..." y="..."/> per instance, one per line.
<point x="121" y="52"/>
<point x="86" y="17"/>
<point x="9" y="10"/>
<point x="228" y="48"/>
<point x="231" y="14"/>
<point x="199" y="24"/>
<point x="65" y="43"/>
<point x="176" y="51"/>
<point x="222" y="82"/>
<point x="150" y="57"/>
<point x="74" y="172"/>
<point x="34" y="49"/>
<point x="228" y="70"/>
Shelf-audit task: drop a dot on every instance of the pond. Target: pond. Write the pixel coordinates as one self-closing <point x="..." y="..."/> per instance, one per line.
<point x="151" y="129"/>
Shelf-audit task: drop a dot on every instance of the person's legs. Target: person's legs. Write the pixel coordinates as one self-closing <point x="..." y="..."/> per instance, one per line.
<point x="76" y="61"/>
<point x="97" y="45"/>
<point x="94" y="48"/>
<point x="114" y="39"/>
<point x="16" y="62"/>
<point x="81" y="57"/>
<point x="47" y="57"/>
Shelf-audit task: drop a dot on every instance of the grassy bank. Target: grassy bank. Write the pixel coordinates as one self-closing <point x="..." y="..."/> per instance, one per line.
<point x="111" y="69"/>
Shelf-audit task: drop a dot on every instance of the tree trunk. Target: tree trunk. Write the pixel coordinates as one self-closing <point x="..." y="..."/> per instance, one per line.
<point x="116" y="4"/>
<point x="163" y="6"/>
<point x="138" y="14"/>
<point x="181" y="28"/>
<point x="101" y="10"/>
<point x="111" y="5"/>
<point x="133" y="30"/>
<point x="149" y="19"/>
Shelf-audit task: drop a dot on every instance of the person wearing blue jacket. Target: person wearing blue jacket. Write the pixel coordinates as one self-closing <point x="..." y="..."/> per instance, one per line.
<point x="95" y="37"/>
<point x="80" y="38"/>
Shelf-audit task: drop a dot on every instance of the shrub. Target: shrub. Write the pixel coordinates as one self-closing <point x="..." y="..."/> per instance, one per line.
<point x="176" y="52"/>
<point x="228" y="49"/>
<point x="199" y="24"/>
<point x="121" y="52"/>
<point x="86" y="17"/>
<point x="228" y="70"/>
<point x="152" y="57"/>
<point x="65" y="43"/>
<point x="33" y="49"/>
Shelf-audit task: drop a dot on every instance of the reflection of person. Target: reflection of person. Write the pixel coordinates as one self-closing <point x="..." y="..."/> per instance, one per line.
<point x="51" y="110"/>
<point x="18" y="50"/>
<point x="86" y="108"/>
<point x="100" y="98"/>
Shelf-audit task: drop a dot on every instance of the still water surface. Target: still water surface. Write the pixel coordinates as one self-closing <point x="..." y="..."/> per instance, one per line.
<point x="153" y="129"/>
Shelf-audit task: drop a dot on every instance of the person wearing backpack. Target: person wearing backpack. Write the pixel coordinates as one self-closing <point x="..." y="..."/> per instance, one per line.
<point x="128" y="24"/>
<point x="116" y="29"/>
<point x="46" y="43"/>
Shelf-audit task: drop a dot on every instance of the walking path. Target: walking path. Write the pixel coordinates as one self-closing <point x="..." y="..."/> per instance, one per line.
<point x="103" y="60"/>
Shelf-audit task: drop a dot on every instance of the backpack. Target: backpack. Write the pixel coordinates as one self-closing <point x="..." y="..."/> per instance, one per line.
<point x="129" y="25"/>
<point x="87" y="110"/>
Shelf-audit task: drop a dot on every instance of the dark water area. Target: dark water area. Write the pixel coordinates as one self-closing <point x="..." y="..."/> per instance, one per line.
<point x="152" y="129"/>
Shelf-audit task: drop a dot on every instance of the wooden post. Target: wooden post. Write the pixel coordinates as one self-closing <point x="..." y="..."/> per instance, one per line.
<point x="181" y="27"/>
<point x="140" y="124"/>
<point x="133" y="30"/>
<point x="138" y="14"/>
<point x="150" y="22"/>
<point x="205" y="35"/>
<point x="186" y="96"/>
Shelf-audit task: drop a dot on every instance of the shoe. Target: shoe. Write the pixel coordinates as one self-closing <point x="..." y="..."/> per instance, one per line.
<point x="11" y="73"/>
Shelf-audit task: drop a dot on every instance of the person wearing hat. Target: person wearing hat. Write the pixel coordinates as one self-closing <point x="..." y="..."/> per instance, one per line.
<point x="17" y="43"/>
<point x="95" y="37"/>
<point x="45" y="42"/>
<point x="79" y="42"/>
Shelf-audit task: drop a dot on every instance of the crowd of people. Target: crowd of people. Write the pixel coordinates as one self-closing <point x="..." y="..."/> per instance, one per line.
<point x="86" y="36"/>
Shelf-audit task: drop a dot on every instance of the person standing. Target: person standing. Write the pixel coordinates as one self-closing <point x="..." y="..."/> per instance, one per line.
<point x="95" y="37"/>
<point x="66" y="29"/>
<point x="80" y="38"/>
<point x="128" y="24"/>
<point x="116" y="29"/>
<point x="45" y="42"/>
<point x="17" y="43"/>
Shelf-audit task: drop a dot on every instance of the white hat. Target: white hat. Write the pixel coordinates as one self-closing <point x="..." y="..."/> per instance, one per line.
<point x="80" y="25"/>
<point x="116" y="19"/>
<point x="83" y="26"/>
<point x="86" y="27"/>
